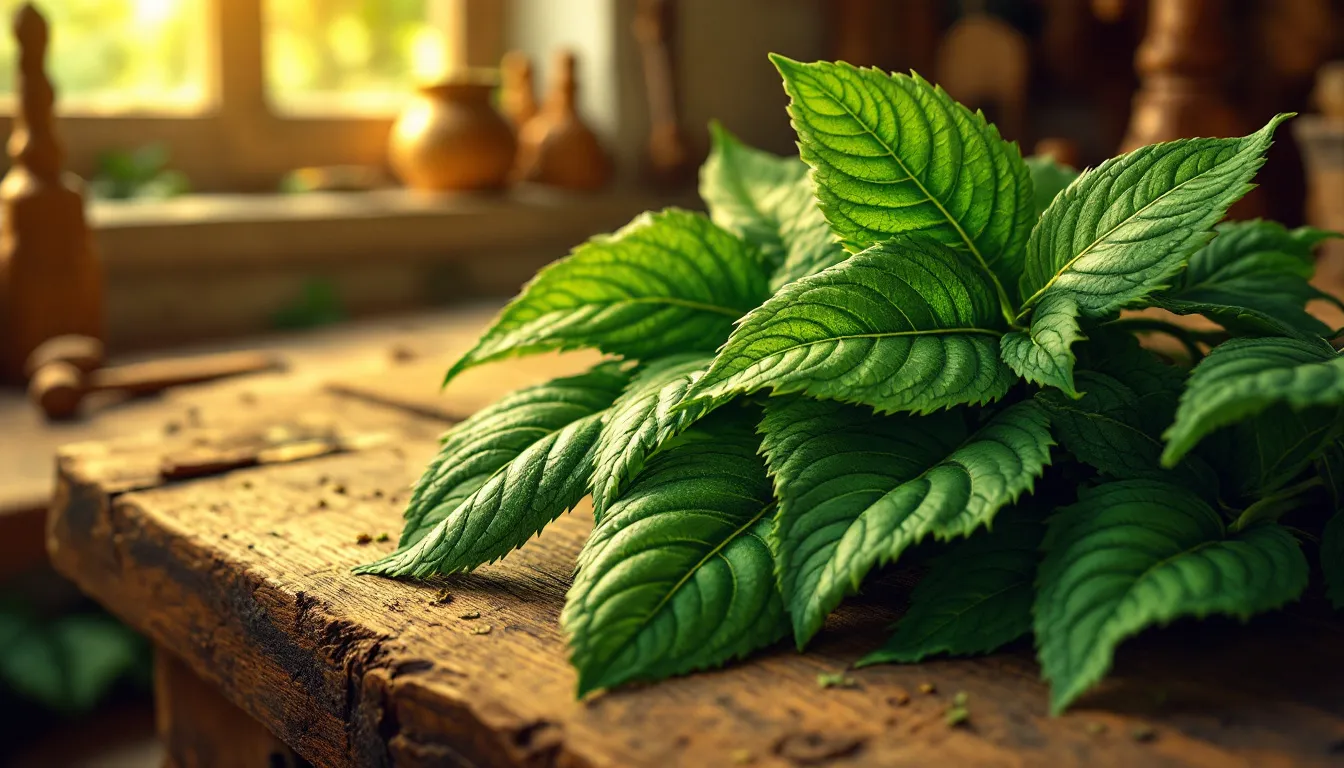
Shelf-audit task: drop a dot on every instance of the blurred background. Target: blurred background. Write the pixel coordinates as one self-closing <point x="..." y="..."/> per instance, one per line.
<point x="260" y="167"/>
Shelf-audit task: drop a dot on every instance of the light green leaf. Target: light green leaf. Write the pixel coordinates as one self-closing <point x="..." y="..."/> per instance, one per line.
<point x="908" y="325"/>
<point x="1121" y="232"/>
<point x="975" y="598"/>
<point x="810" y="245"/>
<point x="678" y="575"/>
<point x="490" y="440"/>
<point x="1242" y="377"/>
<point x="857" y="490"/>
<point x="668" y="282"/>
<point x="544" y="480"/>
<point x="751" y="193"/>
<point x="641" y="420"/>
<point x="1140" y="553"/>
<point x="893" y="155"/>
<point x="1043" y="354"/>
<point x="1253" y="279"/>
<point x="1332" y="560"/>
<point x="1048" y="179"/>
<point x="1125" y="228"/>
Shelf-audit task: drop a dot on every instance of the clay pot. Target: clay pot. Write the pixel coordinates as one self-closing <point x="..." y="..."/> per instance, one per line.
<point x="450" y="137"/>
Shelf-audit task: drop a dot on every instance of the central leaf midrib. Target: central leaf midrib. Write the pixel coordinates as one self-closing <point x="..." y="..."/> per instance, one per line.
<point x="1030" y="302"/>
<point x="690" y="572"/>
<point x="1004" y="304"/>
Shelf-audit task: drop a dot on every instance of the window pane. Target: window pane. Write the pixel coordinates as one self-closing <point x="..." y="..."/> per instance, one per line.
<point x="119" y="54"/>
<point x="357" y="53"/>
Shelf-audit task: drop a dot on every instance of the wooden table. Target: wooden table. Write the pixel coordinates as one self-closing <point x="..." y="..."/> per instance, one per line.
<point x="237" y="565"/>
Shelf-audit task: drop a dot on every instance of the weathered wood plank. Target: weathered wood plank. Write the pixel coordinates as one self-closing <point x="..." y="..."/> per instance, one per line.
<point x="246" y="577"/>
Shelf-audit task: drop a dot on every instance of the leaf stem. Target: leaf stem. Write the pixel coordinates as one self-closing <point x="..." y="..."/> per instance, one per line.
<point x="1271" y="507"/>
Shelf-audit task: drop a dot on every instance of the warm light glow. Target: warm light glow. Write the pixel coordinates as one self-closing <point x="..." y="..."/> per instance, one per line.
<point x="429" y="54"/>
<point x="153" y="13"/>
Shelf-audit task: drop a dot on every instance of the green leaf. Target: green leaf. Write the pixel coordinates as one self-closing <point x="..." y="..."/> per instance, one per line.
<point x="640" y="421"/>
<point x="668" y="282"/>
<point x="975" y="598"/>
<point x="490" y="440"/>
<point x="893" y="154"/>
<point x="1242" y="377"/>
<point x="1253" y="278"/>
<point x="751" y="193"/>
<point x="1121" y="232"/>
<point x="1048" y="179"/>
<point x="1332" y="560"/>
<point x="810" y="245"/>
<point x="907" y="325"/>
<point x="542" y="464"/>
<point x="678" y="576"/>
<point x="1117" y="430"/>
<point x="856" y="490"/>
<point x="1263" y="453"/>
<point x="1043" y="354"/>
<point x="1139" y="553"/>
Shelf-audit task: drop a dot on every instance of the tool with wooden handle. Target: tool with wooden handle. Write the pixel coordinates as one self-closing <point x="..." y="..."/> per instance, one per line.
<point x="62" y="376"/>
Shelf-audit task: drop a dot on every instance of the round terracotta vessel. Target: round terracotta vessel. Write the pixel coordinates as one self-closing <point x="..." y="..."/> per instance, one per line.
<point x="450" y="137"/>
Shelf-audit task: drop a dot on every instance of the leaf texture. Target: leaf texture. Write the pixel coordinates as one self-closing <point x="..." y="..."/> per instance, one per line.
<point x="1253" y="279"/>
<point x="976" y="597"/>
<point x="487" y="442"/>
<point x="751" y="193"/>
<point x="1043" y="354"/>
<point x="857" y="490"/>
<point x="1243" y="377"/>
<point x="678" y="576"/>
<point x="908" y="325"/>
<point x="668" y="282"/>
<point x="894" y="155"/>
<point x="1140" y="553"/>
<point x="1123" y="230"/>
<point x="810" y="245"/>
<point x="641" y="420"/>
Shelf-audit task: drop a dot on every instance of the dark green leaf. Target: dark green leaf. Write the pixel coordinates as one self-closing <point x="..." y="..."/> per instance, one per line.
<point x="976" y="597"/>
<point x="1243" y="377"/>
<point x="642" y="419"/>
<point x="490" y="440"/>
<point x="678" y="575"/>
<point x="1048" y="179"/>
<point x="908" y="325"/>
<point x="893" y="154"/>
<point x="1124" y="229"/>
<point x="856" y="490"/>
<point x="1253" y="278"/>
<point x="1140" y="553"/>
<point x="668" y="282"/>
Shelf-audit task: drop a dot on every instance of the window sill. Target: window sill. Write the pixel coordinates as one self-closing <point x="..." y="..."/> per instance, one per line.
<point x="229" y="231"/>
<point x="217" y="266"/>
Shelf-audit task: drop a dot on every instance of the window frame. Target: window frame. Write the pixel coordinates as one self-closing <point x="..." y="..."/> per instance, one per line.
<point x="239" y="141"/>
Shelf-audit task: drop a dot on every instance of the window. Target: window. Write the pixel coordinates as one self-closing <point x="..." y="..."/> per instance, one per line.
<point x="242" y="92"/>
<point x="120" y="55"/>
<point x="341" y="54"/>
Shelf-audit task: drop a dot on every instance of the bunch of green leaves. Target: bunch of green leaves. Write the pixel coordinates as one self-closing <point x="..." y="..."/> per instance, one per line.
<point x="888" y="342"/>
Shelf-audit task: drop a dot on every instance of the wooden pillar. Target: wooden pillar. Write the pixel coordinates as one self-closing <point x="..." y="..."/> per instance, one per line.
<point x="1180" y="64"/>
<point x="50" y="278"/>
<point x="199" y="728"/>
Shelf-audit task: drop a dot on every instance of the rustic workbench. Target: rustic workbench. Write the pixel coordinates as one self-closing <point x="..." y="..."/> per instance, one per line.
<point x="229" y="539"/>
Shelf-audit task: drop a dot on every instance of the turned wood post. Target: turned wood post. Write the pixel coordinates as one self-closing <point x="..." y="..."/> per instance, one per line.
<point x="50" y="277"/>
<point x="1180" y="64"/>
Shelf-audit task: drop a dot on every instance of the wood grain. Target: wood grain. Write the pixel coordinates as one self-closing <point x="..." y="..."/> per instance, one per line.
<point x="246" y="577"/>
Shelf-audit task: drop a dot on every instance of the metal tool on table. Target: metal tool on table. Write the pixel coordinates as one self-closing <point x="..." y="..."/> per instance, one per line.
<point x="63" y="370"/>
